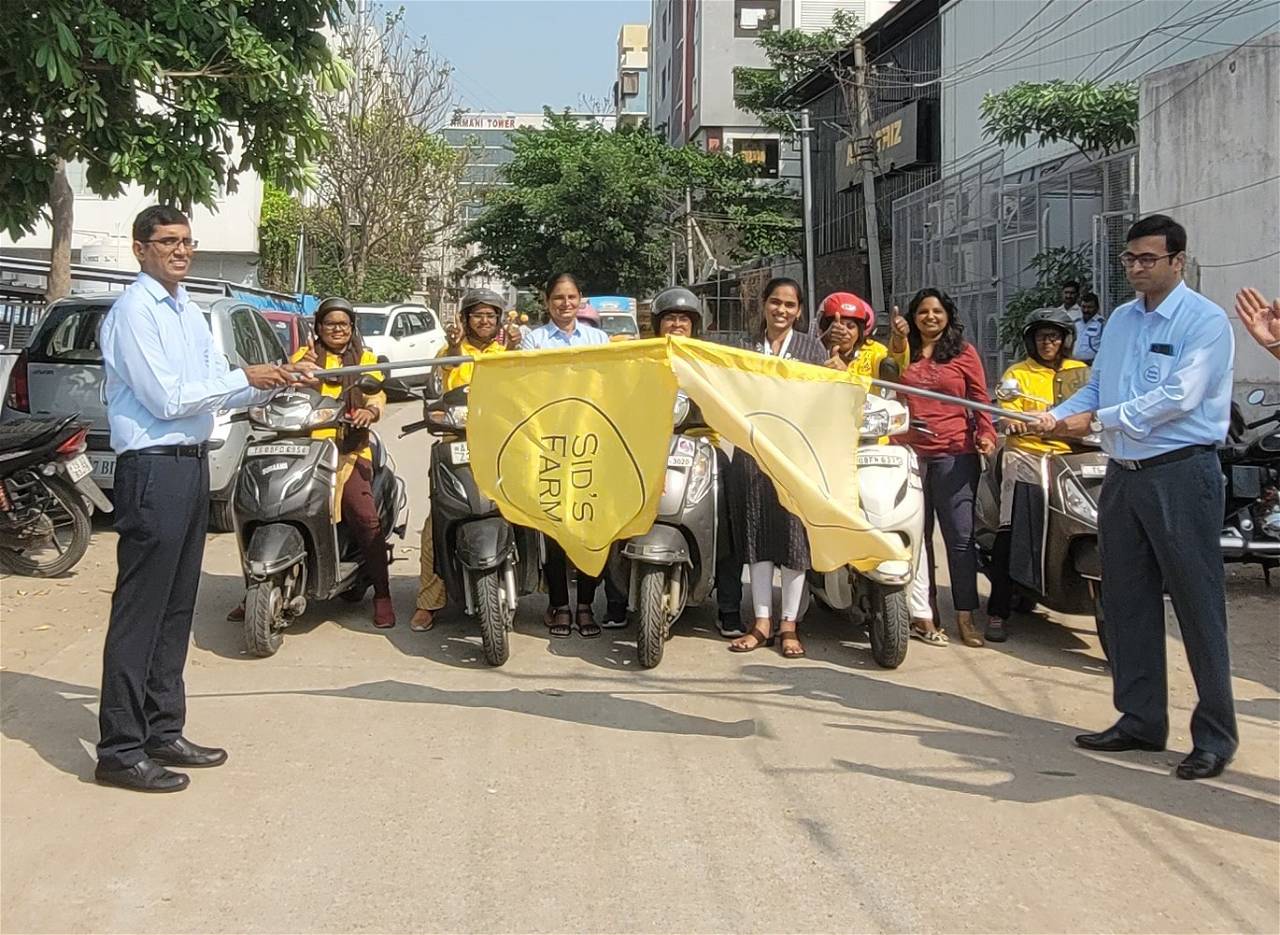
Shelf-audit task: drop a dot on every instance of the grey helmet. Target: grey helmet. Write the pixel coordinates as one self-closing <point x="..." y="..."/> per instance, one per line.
<point x="676" y="299"/>
<point x="473" y="297"/>
<point x="1059" y="318"/>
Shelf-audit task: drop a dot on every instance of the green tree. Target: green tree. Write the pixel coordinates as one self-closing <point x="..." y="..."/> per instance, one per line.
<point x="791" y="54"/>
<point x="1090" y="116"/>
<point x="1052" y="268"/>
<point x="180" y="97"/>
<point x="600" y="203"/>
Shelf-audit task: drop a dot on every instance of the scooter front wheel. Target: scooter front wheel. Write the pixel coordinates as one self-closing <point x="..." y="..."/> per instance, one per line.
<point x="651" y="614"/>
<point x="890" y="626"/>
<point x="495" y="617"/>
<point x="263" y="618"/>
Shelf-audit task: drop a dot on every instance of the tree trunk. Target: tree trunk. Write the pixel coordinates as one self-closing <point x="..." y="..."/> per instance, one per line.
<point x="62" y="213"/>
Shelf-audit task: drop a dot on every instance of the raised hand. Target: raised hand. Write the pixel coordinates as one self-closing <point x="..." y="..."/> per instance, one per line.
<point x="1261" y="320"/>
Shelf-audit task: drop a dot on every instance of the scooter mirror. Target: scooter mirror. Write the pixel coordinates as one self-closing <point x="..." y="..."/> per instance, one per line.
<point x="1256" y="397"/>
<point x="369" y="384"/>
<point x="1008" y="389"/>
<point x="399" y="387"/>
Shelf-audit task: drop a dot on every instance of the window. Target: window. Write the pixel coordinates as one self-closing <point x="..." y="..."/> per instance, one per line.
<point x="428" y="319"/>
<point x="761" y="154"/>
<point x="416" y="324"/>
<point x="630" y="82"/>
<point x="72" y="339"/>
<point x="664" y="82"/>
<point x="244" y="332"/>
<point x="371" y="323"/>
<point x="752" y="17"/>
<point x="401" y="326"/>
<point x="274" y="345"/>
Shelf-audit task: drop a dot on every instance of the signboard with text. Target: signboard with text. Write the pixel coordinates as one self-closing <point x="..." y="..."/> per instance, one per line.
<point x="901" y="140"/>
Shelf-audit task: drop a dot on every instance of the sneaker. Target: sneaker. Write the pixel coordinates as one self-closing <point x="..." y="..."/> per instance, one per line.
<point x="615" y="617"/>
<point x="730" y="626"/>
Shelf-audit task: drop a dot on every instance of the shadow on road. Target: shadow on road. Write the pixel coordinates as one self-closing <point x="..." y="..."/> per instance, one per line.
<point x="1037" y="754"/>
<point x="52" y="718"/>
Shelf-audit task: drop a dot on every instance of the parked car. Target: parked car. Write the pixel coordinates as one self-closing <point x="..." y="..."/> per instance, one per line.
<point x="293" y="330"/>
<point x="402" y="332"/>
<point x="61" y="374"/>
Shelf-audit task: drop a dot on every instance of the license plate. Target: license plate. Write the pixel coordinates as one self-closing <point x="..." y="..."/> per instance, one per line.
<point x="683" y="461"/>
<point x="1094" y="470"/>
<point x="459" y="453"/>
<point x="78" y="468"/>
<point x="103" y="467"/>
<point x="874" y="459"/>
<point x="277" y="449"/>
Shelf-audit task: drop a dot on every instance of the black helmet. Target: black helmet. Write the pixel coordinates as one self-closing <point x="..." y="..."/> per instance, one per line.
<point x="676" y="299"/>
<point x="1059" y="318"/>
<point x="333" y="303"/>
<point x="473" y="297"/>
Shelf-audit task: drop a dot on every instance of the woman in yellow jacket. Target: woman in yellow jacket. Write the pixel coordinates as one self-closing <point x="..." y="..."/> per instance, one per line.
<point x="1049" y="336"/>
<point x="845" y="322"/>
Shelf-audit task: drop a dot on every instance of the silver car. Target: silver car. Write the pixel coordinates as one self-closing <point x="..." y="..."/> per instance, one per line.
<point x="61" y="373"/>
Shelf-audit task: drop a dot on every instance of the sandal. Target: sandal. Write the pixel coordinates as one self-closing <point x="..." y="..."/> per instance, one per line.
<point x="792" y="648"/>
<point x="587" y="626"/>
<point x="932" y="637"/>
<point x="559" y="623"/>
<point x="740" y="645"/>
<point x="418" y="624"/>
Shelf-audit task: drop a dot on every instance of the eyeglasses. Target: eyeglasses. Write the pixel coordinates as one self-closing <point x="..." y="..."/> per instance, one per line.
<point x="1143" y="260"/>
<point x="482" y="316"/>
<point x="336" y="325"/>
<point x="171" y="243"/>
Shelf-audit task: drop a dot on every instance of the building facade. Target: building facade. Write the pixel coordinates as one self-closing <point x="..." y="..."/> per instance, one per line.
<point x="631" y="88"/>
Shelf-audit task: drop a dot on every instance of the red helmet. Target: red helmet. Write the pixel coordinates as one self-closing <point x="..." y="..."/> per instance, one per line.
<point x="848" y="305"/>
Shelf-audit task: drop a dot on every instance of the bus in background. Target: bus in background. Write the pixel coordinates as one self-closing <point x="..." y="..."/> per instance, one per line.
<point x="617" y="315"/>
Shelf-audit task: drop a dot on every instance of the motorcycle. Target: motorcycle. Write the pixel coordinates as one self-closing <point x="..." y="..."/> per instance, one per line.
<point x="1251" y="470"/>
<point x="291" y="550"/>
<point x="487" y="563"/>
<point x="892" y="500"/>
<point x="1060" y="566"/>
<point x="46" y="496"/>
<point x="673" y="564"/>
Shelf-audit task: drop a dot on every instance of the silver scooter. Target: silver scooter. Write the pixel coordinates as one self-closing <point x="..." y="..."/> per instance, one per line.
<point x="673" y="564"/>
<point x="892" y="500"/>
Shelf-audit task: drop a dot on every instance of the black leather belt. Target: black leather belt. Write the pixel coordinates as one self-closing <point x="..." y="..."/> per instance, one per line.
<point x="1167" y="458"/>
<point x="173" y="451"/>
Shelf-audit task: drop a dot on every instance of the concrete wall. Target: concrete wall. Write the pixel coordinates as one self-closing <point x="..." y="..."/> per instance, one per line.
<point x="990" y="45"/>
<point x="1209" y="158"/>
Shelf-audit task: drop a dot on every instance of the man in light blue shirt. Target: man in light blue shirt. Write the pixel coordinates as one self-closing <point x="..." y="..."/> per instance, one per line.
<point x="1160" y="396"/>
<point x="1088" y="329"/>
<point x="564" y="329"/>
<point x="165" y="381"/>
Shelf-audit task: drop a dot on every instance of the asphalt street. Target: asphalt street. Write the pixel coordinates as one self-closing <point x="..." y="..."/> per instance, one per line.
<point x="392" y="782"/>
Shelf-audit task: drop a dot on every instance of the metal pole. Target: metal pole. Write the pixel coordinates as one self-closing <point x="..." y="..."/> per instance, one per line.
<point x="806" y="173"/>
<point x="866" y="150"/>
<point x="688" y="233"/>
<point x="880" y="384"/>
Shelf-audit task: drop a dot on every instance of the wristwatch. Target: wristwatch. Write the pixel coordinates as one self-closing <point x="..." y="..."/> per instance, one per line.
<point x="1095" y="425"/>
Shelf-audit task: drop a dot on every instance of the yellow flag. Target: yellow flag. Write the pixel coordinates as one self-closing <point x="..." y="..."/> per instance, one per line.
<point x="574" y="442"/>
<point x="800" y="423"/>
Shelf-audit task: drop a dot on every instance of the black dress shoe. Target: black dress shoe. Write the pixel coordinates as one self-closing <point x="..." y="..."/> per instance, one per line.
<point x="144" y="776"/>
<point x="182" y="752"/>
<point x="1114" y="740"/>
<point x="1201" y="764"/>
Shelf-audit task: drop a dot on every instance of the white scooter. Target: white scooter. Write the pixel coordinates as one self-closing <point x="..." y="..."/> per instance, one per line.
<point x="892" y="500"/>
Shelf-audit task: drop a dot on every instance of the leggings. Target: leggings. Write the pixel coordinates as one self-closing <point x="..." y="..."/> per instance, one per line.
<point x="360" y="514"/>
<point x="761" y="574"/>
<point x="556" y="569"/>
<point x="950" y="487"/>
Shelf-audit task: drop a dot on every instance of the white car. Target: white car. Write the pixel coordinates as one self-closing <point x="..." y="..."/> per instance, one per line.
<point x="402" y="332"/>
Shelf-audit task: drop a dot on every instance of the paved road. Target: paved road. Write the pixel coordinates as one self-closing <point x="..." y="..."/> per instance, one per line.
<point x="392" y="782"/>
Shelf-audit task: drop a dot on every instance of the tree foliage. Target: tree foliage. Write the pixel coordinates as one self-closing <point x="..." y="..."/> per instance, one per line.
<point x="1052" y="267"/>
<point x="792" y="54"/>
<point x="600" y="204"/>
<point x="1091" y="117"/>
<point x="160" y="93"/>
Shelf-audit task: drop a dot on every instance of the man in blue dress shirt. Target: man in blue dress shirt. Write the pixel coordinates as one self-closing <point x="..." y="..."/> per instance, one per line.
<point x="1160" y="395"/>
<point x="165" y="381"/>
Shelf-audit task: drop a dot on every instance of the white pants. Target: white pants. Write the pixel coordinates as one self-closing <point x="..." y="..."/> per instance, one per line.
<point x="761" y="574"/>
<point x="918" y="592"/>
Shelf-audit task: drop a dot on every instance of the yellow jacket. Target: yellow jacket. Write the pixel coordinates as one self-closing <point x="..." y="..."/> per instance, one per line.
<point x="1035" y="379"/>
<point x="460" y="375"/>
<point x="378" y="401"/>
<point x="866" y="362"/>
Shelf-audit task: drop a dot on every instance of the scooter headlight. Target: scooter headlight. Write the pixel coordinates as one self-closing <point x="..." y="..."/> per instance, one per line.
<point x="326" y="416"/>
<point x="699" y="481"/>
<point x="680" y="411"/>
<point x="875" y="422"/>
<point x="1076" y="500"/>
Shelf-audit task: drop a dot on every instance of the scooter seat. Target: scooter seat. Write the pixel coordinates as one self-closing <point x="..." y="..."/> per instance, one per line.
<point x="29" y="434"/>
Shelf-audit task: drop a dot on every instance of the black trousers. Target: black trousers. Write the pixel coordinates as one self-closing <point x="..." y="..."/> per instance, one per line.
<point x="556" y="569"/>
<point x="1160" y="526"/>
<point x="950" y="488"/>
<point x="728" y="558"/>
<point x="161" y="516"/>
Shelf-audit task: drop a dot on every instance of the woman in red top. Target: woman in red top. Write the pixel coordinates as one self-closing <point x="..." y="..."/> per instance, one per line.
<point x="941" y="360"/>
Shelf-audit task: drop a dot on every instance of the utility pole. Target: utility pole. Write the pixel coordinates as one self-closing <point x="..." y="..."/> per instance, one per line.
<point x="867" y="156"/>
<point x="806" y="173"/>
<point x="688" y="233"/>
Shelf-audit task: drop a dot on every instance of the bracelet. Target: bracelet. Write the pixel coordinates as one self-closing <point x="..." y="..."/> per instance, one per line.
<point x="1273" y="344"/>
